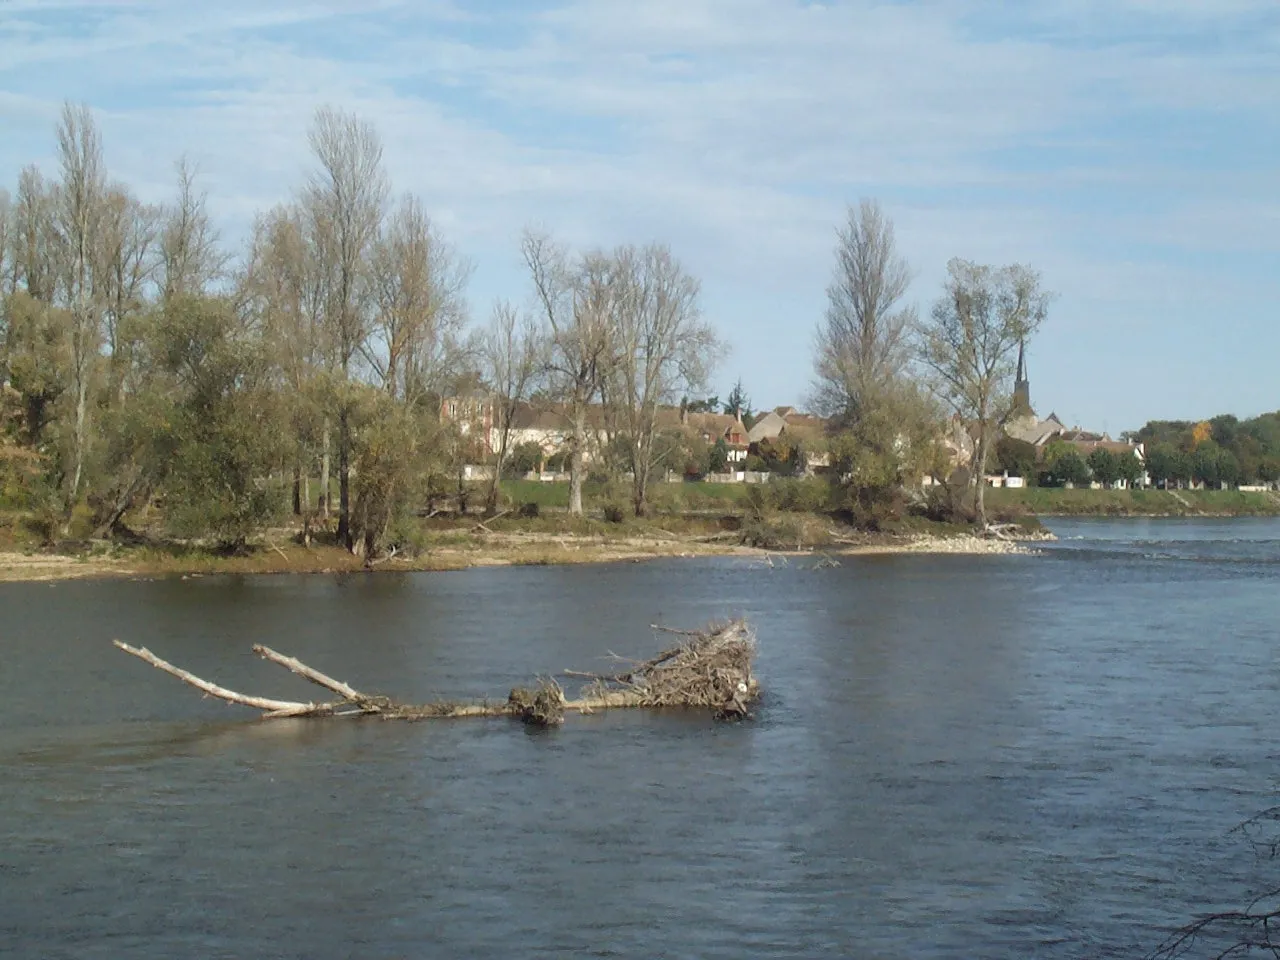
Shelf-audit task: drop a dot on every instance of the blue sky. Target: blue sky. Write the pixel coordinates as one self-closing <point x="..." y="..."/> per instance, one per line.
<point x="1126" y="148"/>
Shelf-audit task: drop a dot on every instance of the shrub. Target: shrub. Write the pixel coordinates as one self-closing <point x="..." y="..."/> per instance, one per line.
<point x="872" y="508"/>
<point x="524" y="458"/>
<point x="800" y="494"/>
<point x="773" y="533"/>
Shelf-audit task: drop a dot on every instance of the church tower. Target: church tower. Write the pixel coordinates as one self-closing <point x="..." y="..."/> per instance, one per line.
<point x="1021" y="385"/>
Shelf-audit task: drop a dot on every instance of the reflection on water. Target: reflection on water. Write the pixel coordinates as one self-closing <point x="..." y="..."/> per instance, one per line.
<point x="994" y="756"/>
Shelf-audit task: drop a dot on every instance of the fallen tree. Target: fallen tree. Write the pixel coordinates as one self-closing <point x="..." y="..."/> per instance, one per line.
<point x="708" y="668"/>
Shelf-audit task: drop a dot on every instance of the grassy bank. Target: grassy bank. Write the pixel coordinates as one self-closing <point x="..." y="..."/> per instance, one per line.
<point x="1053" y="501"/>
<point x="666" y="497"/>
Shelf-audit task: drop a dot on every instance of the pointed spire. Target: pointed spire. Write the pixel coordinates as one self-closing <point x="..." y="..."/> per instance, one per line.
<point x="1022" y="386"/>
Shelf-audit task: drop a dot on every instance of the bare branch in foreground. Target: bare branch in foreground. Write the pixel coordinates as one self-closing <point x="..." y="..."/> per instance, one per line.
<point x="276" y="708"/>
<point x="710" y="668"/>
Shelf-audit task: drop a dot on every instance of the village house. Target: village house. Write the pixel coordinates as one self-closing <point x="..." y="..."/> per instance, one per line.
<point x="550" y="426"/>
<point x="788" y="423"/>
<point x="710" y="428"/>
<point x="1024" y="425"/>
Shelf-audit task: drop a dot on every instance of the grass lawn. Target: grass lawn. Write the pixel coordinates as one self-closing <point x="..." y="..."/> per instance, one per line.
<point x="1054" y="501"/>
<point x="664" y="496"/>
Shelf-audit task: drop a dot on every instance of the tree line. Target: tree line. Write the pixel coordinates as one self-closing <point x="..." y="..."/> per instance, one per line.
<point x="1222" y="450"/>
<point x="1061" y="462"/>
<point x="151" y="370"/>
<point x="145" y="363"/>
<point x="889" y="379"/>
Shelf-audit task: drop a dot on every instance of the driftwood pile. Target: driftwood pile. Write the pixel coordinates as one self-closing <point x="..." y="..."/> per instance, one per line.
<point x="708" y="668"/>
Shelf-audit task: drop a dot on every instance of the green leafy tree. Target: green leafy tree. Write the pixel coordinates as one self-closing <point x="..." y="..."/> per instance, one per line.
<point x="783" y="456"/>
<point x="1224" y="430"/>
<point x="36" y="359"/>
<point x="390" y="460"/>
<point x="1162" y="464"/>
<point x="1207" y="464"/>
<point x="891" y="445"/>
<point x="718" y="456"/>
<point x="1105" y="466"/>
<point x="220" y="432"/>
<point x="969" y="344"/>
<point x="1063" y="464"/>
<point x="524" y="458"/>
<point x="1130" y="468"/>
<point x="1017" y="457"/>
<point x="1229" y="469"/>
<point x="738" y="405"/>
<point x="707" y="405"/>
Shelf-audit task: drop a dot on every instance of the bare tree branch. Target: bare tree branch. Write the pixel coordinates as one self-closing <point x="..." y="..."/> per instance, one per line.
<point x="664" y="350"/>
<point x="862" y="346"/>
<point x="514" y="356"/>
<point x="969" y="344"/>
<point x="190" y="260"/>
<point x="79" y="207"/>
<point x="575" y="307"/>
<point x="344" y="204"/>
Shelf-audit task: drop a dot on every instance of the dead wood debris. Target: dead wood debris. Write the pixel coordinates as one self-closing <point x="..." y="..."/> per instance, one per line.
<point x="709" y="668"/>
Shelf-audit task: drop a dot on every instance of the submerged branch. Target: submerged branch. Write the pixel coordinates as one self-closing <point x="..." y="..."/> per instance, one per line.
<point x="711" y="668"/>
<point x="274" y="708"/>
<point x="310" y="673"/>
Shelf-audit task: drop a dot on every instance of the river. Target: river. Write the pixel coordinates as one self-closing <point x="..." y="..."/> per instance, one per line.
<point x="994" y="756"/>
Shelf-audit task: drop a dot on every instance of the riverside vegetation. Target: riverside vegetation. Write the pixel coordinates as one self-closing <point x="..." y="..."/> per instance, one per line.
<point x="167" y="404"/>
<point x="166" y="397"/>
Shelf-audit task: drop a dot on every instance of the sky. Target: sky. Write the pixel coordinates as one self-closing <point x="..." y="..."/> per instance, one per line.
<point x="1127" y="149"/>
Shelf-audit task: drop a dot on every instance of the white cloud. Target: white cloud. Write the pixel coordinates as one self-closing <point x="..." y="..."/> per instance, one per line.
<point x="736" y="129"/>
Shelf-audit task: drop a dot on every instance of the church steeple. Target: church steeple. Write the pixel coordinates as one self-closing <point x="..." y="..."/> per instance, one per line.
<point x="1022" y="385"/>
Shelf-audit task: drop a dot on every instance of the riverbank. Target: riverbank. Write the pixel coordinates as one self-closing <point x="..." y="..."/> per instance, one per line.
<point x="461" y="549"/>
<point x="1023" y="502"/>
<point x="1060" y="502"/>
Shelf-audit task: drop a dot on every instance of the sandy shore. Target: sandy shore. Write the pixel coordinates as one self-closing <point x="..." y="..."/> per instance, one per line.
<point x="53" y="566"/>
<point x="495" y="550"/>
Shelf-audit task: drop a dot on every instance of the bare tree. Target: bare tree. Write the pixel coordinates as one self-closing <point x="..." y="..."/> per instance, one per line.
<point x="970" y="343"/>
<point x="862" y="346"/>
<point x="419" y="292"/>
<point x="288" y="294"/>
<point x="129" y="231"/>
<point x="578" y="322"/>
<point x="34" y="240"/>
<point x="664" y="350"/>
<point x="79" y="211"/>
<point x="344" y="202"/>
<point x="8" y="280"/>
<point x="512" y="353"/>
<point x="189" y="256"/>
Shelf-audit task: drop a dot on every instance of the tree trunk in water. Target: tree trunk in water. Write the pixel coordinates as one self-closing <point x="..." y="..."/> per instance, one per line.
<point x="575" y="462"/>
<point x="324" y="472"/>
<point x="344" y="482"/>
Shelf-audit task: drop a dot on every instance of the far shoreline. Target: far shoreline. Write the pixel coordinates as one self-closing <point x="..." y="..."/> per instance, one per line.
<point x="555" y="540"/>
<point x="479" y="553"/>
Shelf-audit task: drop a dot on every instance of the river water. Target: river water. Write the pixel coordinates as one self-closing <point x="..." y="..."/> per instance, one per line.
<point x="956" y="757"/>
